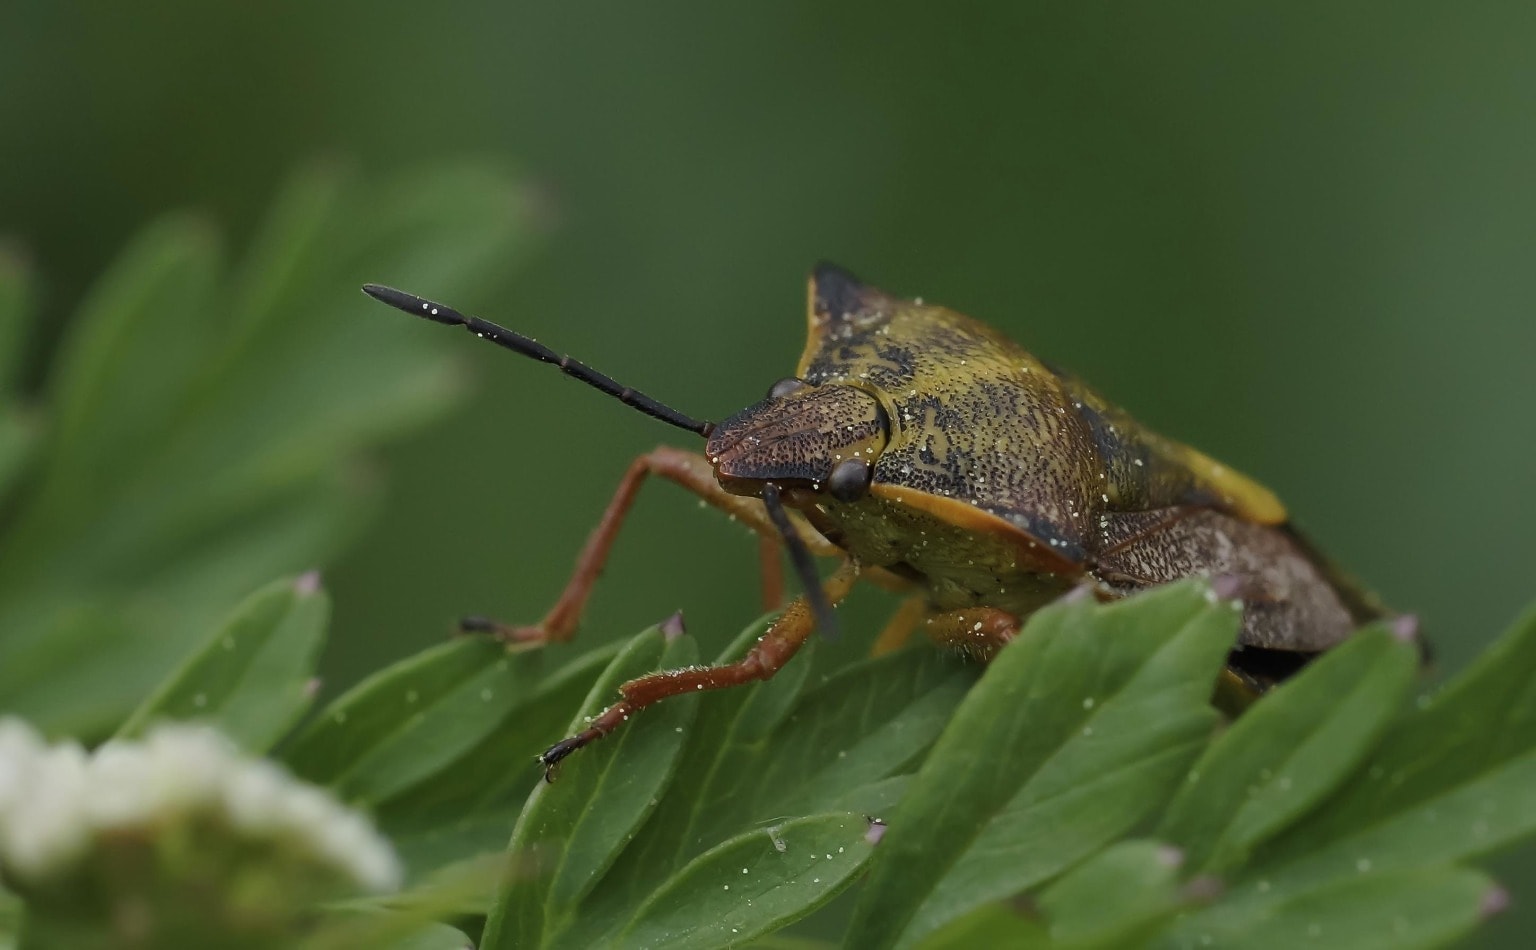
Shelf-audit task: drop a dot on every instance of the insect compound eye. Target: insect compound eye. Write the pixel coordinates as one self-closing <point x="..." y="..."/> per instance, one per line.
<point x="849" y="479"/>
<point x="785" y="386"/>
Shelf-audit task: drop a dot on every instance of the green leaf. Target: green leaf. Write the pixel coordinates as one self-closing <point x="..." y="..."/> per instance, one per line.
<point x="1118" y="898"/>
<point x="251" y="679"/>
<point x="762" y="753"/>
<point x="409" y="721"/>
<point x="10" y="918"/>
<point x="1401" y="910"/>
<point x="1080" y="728"/>
<point x="752" y="884"/>
<point x="571" y="830"/>
<point x="1289" y="750"/>
<point x="15" y="318"/>
<point x="469" y="805"/>
<point x="18" y="442"/>
<point x="433" y="937"/>
<point x="990" y="925"/>
<point x="867" y="723"/>
<point x="1449" y="781"/>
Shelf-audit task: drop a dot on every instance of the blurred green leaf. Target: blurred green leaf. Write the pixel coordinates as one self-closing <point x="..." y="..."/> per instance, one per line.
<point x="990" y="925"/>
<point x="10" y="919"/>
<point x="252" y="678"/>
<point x="15" y="319"/>
<point x="1288" y="752"/>
<point x="752" y="884"/>
<point x="206" y="426"/>
<point x="433" y="937"/>
<point x="18" y="439"/>
<point x="386" y="931"/>
<point x="1078" y="729"/>
<point x="410" y="720"/>
<point x="1117" y="898"/>
<point x="1400" y="910"/>
<point x="571" y="831"/>
<point x="123" y="375"/>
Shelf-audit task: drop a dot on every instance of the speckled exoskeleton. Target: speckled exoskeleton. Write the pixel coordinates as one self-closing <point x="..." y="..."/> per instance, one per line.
<point x="936" y="457"/>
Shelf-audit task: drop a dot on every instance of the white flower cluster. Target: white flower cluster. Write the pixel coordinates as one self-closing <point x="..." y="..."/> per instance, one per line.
<point x="55" y="800"/>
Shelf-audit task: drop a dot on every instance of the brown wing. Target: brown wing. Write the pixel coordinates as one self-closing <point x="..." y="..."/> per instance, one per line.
<point x="1292" y="602"/>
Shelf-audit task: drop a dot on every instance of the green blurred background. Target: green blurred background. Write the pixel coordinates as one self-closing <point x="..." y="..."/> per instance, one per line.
<point x="1301" y="237"/>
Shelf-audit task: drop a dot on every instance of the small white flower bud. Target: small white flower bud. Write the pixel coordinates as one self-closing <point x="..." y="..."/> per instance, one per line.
<point x="55" y="801"/>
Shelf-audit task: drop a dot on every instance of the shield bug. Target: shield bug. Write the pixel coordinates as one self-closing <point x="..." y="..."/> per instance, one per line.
<point x="935" y="456"/>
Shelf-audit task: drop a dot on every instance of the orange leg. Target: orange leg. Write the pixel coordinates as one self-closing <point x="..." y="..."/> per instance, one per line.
<point x="979" y="631"/>
<point x="693" y="472"/>
<point x="900" y="626"/>
<point x="782" y="640"/>
<point x="773" y="572"/>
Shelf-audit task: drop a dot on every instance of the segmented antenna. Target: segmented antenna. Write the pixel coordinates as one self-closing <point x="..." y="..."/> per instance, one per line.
<point x="800" y="556"/>
<point x="517" y="343"/>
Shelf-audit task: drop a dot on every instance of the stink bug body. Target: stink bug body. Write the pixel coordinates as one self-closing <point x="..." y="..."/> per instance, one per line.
<point x="935" y="456"/>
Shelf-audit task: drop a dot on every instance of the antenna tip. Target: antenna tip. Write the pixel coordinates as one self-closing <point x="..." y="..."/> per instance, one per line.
<point x="412" y="304"/>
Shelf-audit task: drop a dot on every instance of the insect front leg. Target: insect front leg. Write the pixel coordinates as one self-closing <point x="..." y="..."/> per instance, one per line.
<point x="694" y="473"/>
<point x="773" y="649"/>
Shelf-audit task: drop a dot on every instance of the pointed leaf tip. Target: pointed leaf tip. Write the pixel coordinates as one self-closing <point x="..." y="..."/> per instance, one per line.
<point x="1406" y="628"/>
<point x="1226" y="586"/>
<point x="876" y="831"/>
<point x="1495" y="902"/>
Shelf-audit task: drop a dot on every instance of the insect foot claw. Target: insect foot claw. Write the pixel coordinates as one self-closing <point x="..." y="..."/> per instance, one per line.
<point x="512" y="636"/>
<point x="478" y="624"/>
<point x="551" y="757"/>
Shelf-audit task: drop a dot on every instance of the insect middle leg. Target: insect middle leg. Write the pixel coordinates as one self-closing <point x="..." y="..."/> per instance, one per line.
<point x="978" y="631"/>
<point x="899" y="628"/>
<point x="775" y="648"/>
<point x="688" y="469"/>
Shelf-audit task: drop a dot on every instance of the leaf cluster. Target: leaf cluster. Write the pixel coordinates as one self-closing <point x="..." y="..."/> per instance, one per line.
<point x="202" y="425"/>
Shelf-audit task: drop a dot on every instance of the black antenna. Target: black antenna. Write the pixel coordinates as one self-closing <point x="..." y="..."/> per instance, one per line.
<point x="826" y="620"/>
<point x="517" y="343"/>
